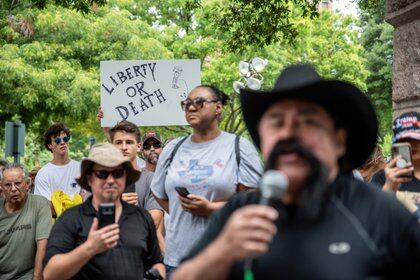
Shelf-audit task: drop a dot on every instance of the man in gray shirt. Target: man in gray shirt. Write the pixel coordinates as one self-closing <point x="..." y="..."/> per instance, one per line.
<point x="152" y="147"/>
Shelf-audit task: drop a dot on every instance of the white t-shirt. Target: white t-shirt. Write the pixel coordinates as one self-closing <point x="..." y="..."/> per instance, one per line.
<point x="53" y="177"/>
<point x="207" y="169"/>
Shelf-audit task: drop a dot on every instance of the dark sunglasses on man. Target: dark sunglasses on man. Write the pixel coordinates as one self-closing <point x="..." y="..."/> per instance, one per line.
<point x="156" y="145"/>
<point x="57" y="140"/>
<point x="103" y="174"/>
<point x="198" y="103"/>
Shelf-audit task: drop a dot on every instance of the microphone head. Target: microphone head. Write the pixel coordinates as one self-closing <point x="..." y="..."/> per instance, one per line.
<point x="273" y="184"/>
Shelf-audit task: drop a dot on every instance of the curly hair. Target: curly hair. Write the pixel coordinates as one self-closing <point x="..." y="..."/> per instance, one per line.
<point x="54" y="131"/>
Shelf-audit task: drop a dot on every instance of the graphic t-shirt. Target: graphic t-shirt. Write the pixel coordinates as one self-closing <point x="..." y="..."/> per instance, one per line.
<point x="408" y="193"/>
<point x="53" y="177"/>
<point x="207" y="169"/>
<point x="19" y="232"/>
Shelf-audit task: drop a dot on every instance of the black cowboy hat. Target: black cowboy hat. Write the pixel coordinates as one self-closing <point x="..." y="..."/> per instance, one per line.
<point x="345" y="103"/>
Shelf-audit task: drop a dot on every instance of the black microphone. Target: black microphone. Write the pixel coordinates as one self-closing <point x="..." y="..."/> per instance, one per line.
<point x="272" y="185"/>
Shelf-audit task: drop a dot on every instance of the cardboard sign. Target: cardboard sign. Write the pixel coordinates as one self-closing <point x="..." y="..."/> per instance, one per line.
<point x="147" y="92"/>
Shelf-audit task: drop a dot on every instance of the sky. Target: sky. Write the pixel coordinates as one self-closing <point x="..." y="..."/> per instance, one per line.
<point x="348" y="7"/>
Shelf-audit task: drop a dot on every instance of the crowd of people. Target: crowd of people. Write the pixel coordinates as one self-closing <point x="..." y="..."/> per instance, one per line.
<point x="189" y="209"/>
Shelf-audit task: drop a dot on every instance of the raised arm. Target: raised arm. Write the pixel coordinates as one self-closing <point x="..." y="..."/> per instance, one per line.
<point x="100" y="115"/>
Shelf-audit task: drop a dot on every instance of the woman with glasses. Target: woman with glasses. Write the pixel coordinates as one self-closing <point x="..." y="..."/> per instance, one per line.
<point x="202" y="173"/>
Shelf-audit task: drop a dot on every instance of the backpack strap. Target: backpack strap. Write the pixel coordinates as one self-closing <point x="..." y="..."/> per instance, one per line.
<point x="171" y="157"/>
<point x="237" y="151"/>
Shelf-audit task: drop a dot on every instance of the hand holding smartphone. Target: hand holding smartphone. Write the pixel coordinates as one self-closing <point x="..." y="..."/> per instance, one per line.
<point x="182" y="191"/>
<point x="106" y="214"/>
<point x="403" y="150"/>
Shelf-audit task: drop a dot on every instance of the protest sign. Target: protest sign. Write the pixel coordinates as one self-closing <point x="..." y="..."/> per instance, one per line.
<point x="147" y="92"/>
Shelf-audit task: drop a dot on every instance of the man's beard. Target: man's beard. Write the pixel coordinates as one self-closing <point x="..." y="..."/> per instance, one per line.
<point x="152" y="158"/>
<point x="313" y="193"/>
<point x="111" y="197"/>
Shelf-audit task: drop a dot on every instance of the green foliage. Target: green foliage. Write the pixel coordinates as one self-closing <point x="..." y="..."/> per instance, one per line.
<point x="377" y="39"/>
<point x="53" y="75"/>
<point x="330" y="42"/>
<point x="372" y="10"/>
<point x="386" y="144"/>
<point x="84" y="6"/>
<point x="51" y="72"/>
<point x="244" y="23"/>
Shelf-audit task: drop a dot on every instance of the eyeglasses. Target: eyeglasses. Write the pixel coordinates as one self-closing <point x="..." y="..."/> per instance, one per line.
<point x="11" y="184"/>
<point x="198" y="103"/>
<point x="66" y="139"/>
<point x="149" y="146"/>
<point x="103" y="174"/>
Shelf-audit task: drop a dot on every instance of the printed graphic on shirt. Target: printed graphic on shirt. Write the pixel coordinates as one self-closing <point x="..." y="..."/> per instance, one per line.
<point x="15" y="228"/>
<point x="196" y="173"/>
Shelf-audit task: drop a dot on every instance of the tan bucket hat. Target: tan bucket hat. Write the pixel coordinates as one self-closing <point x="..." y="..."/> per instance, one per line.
<point x="106" y="155"/>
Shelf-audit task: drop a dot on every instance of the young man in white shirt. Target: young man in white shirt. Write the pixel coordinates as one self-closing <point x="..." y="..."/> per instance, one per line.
<point x="60" y="173"/>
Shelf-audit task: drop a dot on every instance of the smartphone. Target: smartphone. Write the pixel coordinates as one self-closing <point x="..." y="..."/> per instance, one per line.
<point x="106" y="214"/>
<point x="182" y="191"/>
<point x="403" y="149"/>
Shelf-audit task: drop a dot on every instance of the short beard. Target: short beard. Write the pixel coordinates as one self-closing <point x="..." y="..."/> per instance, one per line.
<point x="152" y="159"/>
<point x="314" y="192"/>
<point x="112" y="197"/>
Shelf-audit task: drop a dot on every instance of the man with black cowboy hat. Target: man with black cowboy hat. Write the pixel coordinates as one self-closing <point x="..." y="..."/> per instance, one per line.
<point x="78" y="249"/>
<point x="325" y="225"/>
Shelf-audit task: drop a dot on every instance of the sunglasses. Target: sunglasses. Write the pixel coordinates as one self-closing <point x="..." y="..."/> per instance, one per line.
<point x="149" y="146"/>
<point x="198" y="103"/>
<point x="103" y="174"/>
<point x="66" y="139"/>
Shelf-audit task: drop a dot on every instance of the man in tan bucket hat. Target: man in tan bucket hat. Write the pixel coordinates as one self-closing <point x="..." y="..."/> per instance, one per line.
<point x="78" y="249"/>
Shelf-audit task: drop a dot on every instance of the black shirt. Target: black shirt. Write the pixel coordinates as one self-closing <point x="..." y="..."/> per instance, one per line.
<point x="137" y="248"/>
<point x="412" y="188"/>
<point x="379" y="180"/>
<point x="362" y="233"/>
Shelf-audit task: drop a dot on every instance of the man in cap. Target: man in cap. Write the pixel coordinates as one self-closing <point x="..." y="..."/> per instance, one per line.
<point x="78" y="249"/>
<point x="325" y="224"/>
<point x="25" y="223"/>
<point x="152" y="147"/>
<point x="392" y="178"/>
